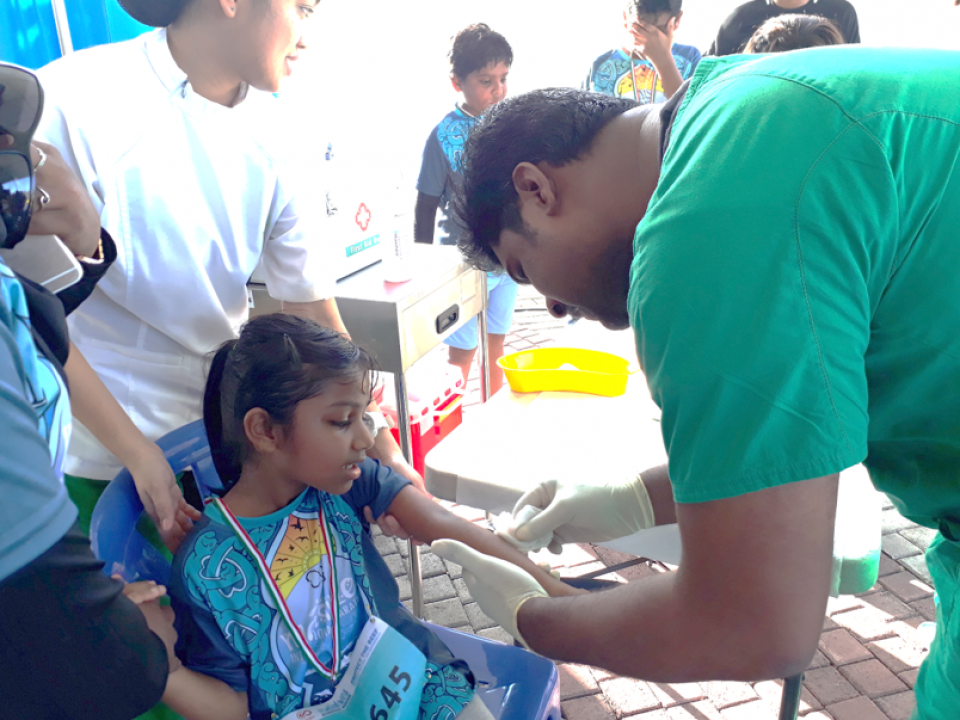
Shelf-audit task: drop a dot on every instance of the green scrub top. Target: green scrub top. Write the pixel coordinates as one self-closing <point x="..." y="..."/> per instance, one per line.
<point x="795" y="288"/>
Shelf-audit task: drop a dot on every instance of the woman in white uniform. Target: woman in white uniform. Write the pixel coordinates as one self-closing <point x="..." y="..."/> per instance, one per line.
<point x="183" y="148"/>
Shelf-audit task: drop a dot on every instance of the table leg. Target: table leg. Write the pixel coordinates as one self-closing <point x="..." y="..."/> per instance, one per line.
<point x="406" y="446"/>
<point x="484" y="347"/>
<point x="790" y="699"/>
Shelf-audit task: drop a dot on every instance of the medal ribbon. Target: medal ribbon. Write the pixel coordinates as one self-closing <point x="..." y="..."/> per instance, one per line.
<point x="281" y="604"/>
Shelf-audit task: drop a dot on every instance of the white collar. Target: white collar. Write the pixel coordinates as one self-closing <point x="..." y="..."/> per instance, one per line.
<point x="161" y="60"/>
<point x="171" y="75"/>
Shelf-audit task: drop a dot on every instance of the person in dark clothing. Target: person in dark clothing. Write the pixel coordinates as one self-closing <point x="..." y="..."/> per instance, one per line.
<point x="743" y="22"/>
<point x="73" y="642"/>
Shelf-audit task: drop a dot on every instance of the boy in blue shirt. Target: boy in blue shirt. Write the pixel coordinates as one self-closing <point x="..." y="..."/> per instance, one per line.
<point x="651" y="67"/>
<point x="480" y="61"/>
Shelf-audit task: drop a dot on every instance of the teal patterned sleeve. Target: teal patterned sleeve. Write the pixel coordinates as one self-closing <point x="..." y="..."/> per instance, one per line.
<point x="201" y="644"/>
<point x="447" y="691"/>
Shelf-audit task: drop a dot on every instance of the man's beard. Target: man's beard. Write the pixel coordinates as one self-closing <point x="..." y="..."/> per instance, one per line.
<point x="613" y="272"/>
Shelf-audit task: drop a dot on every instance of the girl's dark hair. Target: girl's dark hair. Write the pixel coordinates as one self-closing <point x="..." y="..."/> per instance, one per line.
<point x="156" y="13"/>
<point x="477" y="46"/>
<point x="278" y="361"/>
<point x="793" y="32"/>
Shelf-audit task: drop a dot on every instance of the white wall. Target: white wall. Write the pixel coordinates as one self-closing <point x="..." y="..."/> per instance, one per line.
<point x="376" y="73"/>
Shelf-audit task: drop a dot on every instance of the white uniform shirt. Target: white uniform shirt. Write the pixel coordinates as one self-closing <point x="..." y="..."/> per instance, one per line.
<point x="191" y="192"/>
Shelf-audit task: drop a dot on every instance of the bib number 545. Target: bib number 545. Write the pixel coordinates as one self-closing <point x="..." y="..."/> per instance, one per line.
<point x="390" y="696"/>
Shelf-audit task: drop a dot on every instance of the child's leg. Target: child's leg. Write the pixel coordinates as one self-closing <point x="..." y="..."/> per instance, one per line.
<point x="501" y="298"/>
<point x="495" y="350"/>
<point x="463" y="359"/>
<point x="500" y="305"/>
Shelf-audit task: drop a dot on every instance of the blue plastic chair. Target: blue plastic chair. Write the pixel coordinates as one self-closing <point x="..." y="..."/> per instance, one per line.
<point x="513" y="683"/>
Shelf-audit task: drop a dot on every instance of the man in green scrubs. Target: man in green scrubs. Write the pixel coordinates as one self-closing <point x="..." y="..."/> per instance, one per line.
<point x="783" y="237"/>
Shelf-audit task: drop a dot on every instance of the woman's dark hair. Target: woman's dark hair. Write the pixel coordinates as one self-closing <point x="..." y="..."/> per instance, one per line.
<point x="555" y="125"/>
<point x="156" y="13"/>
<point x="794" y="32"/>
<point x="278" y="361"/>
<point x="477" y="46"/>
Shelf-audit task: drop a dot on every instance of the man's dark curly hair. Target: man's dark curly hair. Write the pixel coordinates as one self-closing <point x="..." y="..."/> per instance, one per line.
<point x="554" y="125"/>
<point x="477" y="46"/>
<point x="793" y="32"/>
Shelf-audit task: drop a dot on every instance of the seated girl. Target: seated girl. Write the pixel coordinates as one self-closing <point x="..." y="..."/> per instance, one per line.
<point x="282" y="601"/>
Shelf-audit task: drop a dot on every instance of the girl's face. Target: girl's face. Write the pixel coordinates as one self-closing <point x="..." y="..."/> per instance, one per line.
<point x="327" y="439"/>
<point x="277" y="28"/>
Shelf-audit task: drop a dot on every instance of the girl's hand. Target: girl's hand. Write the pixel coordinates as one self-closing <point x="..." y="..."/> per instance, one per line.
<point x="142" y="591"/>
<point x="161" y="496"/>
<point x="145" y="594"/>
<point x="68" y="211"/>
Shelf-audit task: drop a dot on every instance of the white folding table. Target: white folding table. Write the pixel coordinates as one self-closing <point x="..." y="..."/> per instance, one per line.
<point x="516" y="440"/>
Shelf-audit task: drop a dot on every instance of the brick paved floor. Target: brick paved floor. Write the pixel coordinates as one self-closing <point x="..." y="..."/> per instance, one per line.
<point x="869" y="651"/>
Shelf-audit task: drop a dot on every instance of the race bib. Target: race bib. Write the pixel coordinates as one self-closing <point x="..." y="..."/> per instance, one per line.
<point x="383" y="681"/>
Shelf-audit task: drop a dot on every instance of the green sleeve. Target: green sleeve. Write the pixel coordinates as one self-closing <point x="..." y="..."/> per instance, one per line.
<point x="750" y="291"/>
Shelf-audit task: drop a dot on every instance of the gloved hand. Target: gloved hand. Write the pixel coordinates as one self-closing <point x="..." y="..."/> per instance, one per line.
<point x="499" y="587"/>
<point x="505" y="526"/>
<point x="585" y="513"/>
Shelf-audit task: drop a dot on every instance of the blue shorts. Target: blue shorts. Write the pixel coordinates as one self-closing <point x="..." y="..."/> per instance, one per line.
<point x="501" y="298"/>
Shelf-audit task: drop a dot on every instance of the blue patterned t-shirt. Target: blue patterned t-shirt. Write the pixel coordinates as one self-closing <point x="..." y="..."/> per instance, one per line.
<point x="440" y="169"/>
<point x="615" y="73"/>
<point x="230" y="629"/>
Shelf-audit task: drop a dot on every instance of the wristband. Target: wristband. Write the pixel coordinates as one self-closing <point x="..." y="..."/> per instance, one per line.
<point x="97" y="256"/>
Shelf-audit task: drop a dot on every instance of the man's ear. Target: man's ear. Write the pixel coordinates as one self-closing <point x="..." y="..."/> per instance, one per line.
<point x="535" y="187"/>
<point x="455" y="81"/>
<point x="228" y="8"/>
<point x="676" y="21"/>
<point x="261" y="431"/>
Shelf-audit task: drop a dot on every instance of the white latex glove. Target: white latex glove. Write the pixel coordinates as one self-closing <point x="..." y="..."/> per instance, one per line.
<point x="584" y="513"/>
<point x="499" y="587"/>
<point x="505" y="526"/>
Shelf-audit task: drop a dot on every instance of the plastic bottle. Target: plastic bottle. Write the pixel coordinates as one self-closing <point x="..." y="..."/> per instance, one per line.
<point x="398" y="265"/>
<point x="856" y="553"/>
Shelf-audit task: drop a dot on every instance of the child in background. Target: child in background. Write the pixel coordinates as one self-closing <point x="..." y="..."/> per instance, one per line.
<point x="793" y="32"/>
<point x="740" y="25"/>
<point x="650" y="67"/>
<point x="280" y="581"/>
<point x="480" y="61"/>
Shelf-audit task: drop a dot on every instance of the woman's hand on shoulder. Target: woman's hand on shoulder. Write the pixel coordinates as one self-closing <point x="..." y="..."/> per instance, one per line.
<point x="161" y="496"/>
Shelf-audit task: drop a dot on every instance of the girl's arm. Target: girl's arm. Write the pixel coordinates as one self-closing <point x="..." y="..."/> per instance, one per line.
<point x="191" y="694"/>
<point x="427" y="521"/>
<point x="196" y="696"/>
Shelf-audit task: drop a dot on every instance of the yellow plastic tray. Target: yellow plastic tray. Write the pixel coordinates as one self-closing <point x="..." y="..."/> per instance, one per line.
<point x="542" y="370"/>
